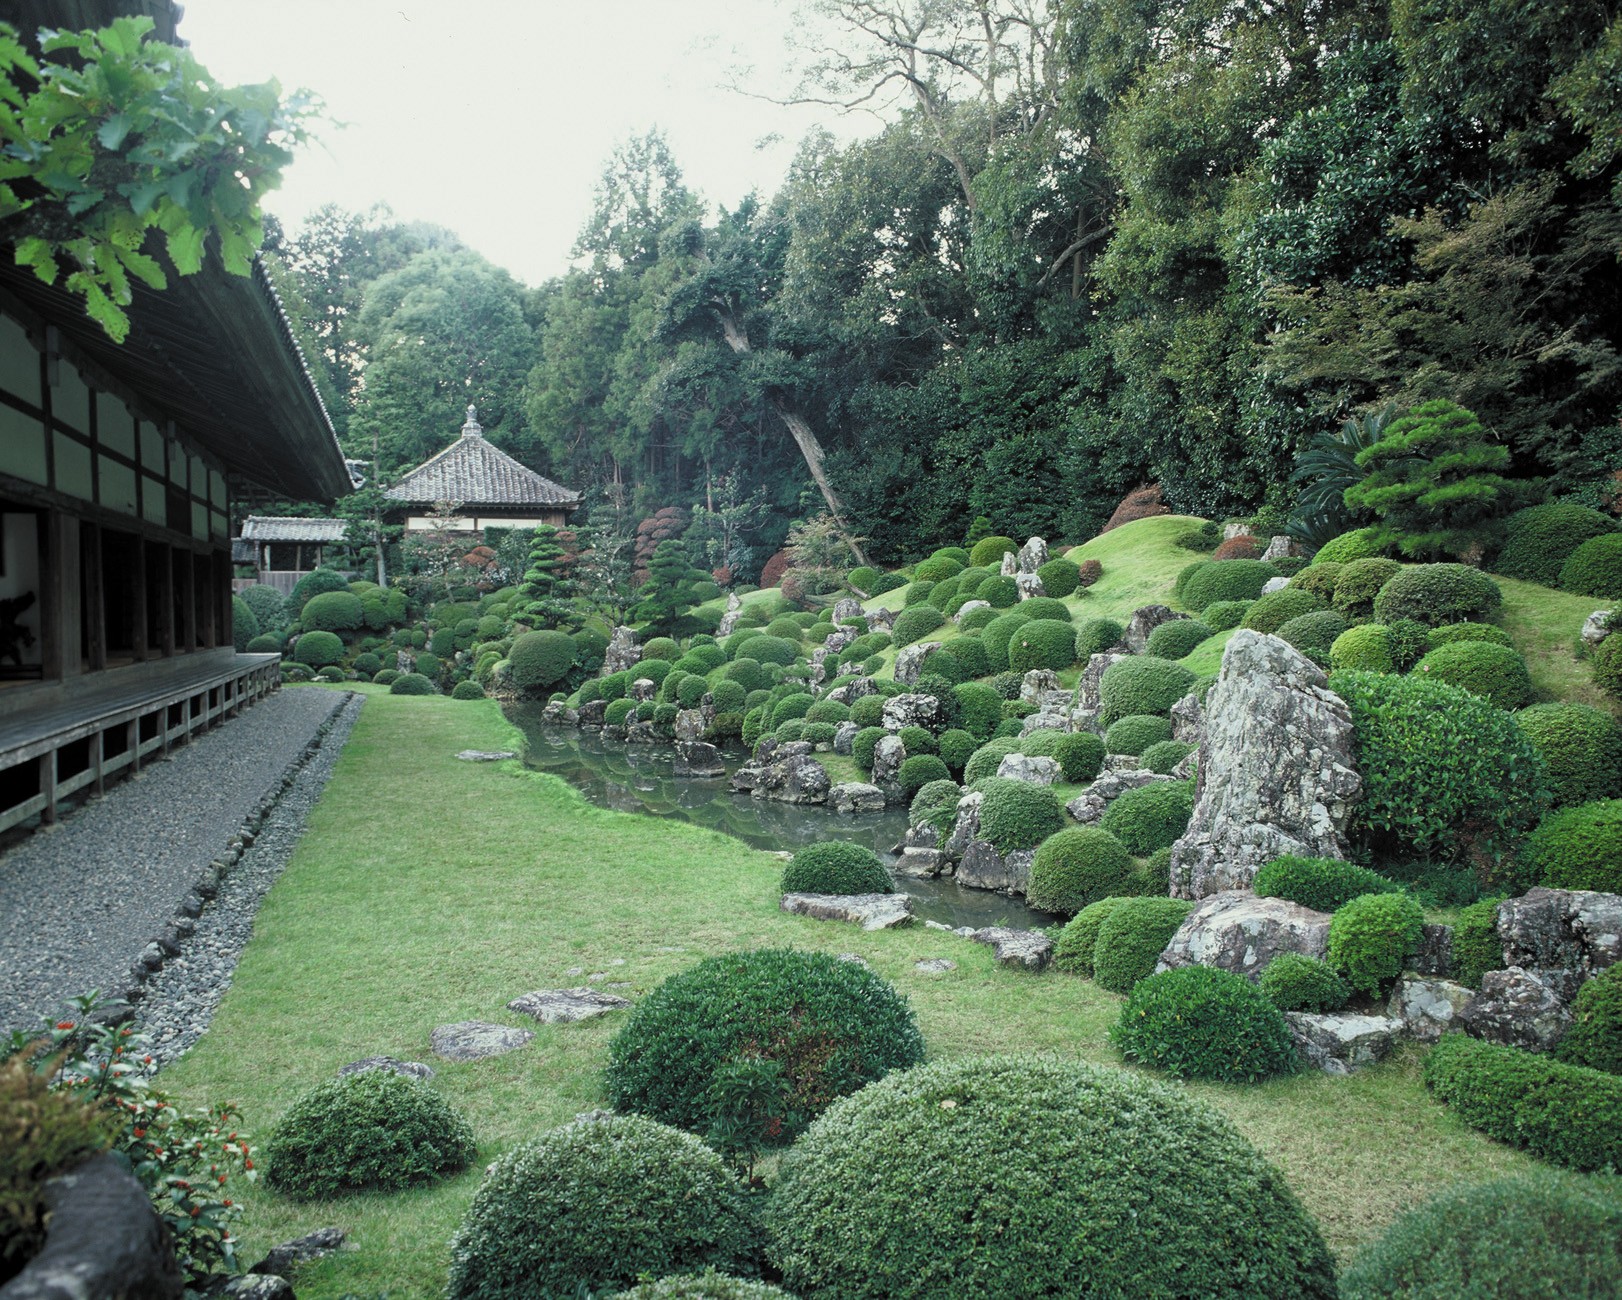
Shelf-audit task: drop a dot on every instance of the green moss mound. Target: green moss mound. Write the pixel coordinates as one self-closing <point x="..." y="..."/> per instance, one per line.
<point x="1151" y="817"/>
<point x="1274" y="610"/>
<point x="318" y="649"/>
<point x="1296" y="982"/>
<point x="1215" y="580"/>
<point x="1434" y="594"/>
<point x="836" y="867"/>
<point x="1595" y="568"/>
<point x="1566" y="1114"/>
<point x="1323" y="884"/>
<point x="1136" y="734"/>
<point x="1580" y="746"/>
<point x="1131" y="938"/>
<point x="1371" y="938"/>
<point x="1538" y="1236"/>
<point x="1197" y="1022"/>
<point x="1017" y="814"/>
<point x="1577" y="848"/>
<point x="1497" y="673"/>
<point x="598" y="1204"/>
<point x="1177" y="638"/>
<point x="832" y="1026"/>
<point x="1142" y="684"/>
<point x="920" y="1186"/>
<point x="1074" y="867"/>
<point x="373" y="1131"/>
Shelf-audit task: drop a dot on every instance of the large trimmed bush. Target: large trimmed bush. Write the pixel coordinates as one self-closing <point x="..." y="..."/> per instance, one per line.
<point x="1197" y="1022"/>
<point x="1539" y="540"/>
<point x="1097" y="635"/>
<point x="1151" y="817"/>
<point x="1296" y="982"/>
<point x="1495" y="672"/>
<point x="918" y="770"/>
<point x="314" y="583"/>
<point x="318" y="649"/>
<point x="268" y="605"/>
<point x="1359" y="544"/>
<point x="244" y="624"/>
<point x="1216" y="580"/>
<point x="997" y="634"/>
<point x="1323" y="884"/>
<point x="773" y="650"/>
<point x="1371" y="938"/>
<point x="1017" y="814"/>
<point x="1313" y="634"/>
<point x="1319" y="579"/>
<point x="1537" y="1236"/>
<point x="922" y="1186"/>
<point x="1359" y="583"/>
<point x="1132" y="937"/>
<point x="1565" y="1114"/>
<point x="1276" y="608"/>
<point x="1136" y="734"/>
<point x="915" y="623"/>
<point x="411" y="684"/>
<point x="1580" y="746"/>
<point x="1074" y="867"/>
<point x="1434" y="594"/>
<point x="538" y="661"/>
<point x="1444" y="771"/>
<point x="1080" y="755"/>
<point x="1073" y="949"/>
<point x="1595" y="568"/>
<point x="1178" y="638"/>
<point x="1041" y="643"/>
<point x="836" y="867"/>
<point x="372" y="1131"/>
<point x="1577" y="848"/>
<point x="1142" y="684"/>
<point x="832" y="1026"/>
<point x="597" y="1204"/>
<point x="999" y="592"/>
<point x="1059" y="577"/>
<point x="1366" y="648"/>
<point x="978" y="708"/>
<point x="1595" y="1036"/>
<point x="990" y="550"/>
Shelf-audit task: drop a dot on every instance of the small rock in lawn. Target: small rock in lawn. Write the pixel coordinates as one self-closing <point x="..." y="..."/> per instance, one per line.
<point x="1030" y="949"/>
<point x="565" y="1006"/>
<point x="409" y="1069"/>
<point x="935" y="965"/>
<point x="870" y="911"/>
<point x="485" y="755"/>
<point x="855" y="959"/>
<point x="1339" y="1044"/>
<point x="313" y="1245"/>
<point x="473" y="1040"/>
<point x="258" y="1286"/>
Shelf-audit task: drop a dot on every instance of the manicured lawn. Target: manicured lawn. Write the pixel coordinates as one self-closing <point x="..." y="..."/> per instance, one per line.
<point x="1546" y="626"/>
<point x="428" y="891"/>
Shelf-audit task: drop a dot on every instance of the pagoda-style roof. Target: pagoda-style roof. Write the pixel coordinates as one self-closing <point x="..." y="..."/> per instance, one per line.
<point x="472" y="472"/>
<point x="282" y="528"/>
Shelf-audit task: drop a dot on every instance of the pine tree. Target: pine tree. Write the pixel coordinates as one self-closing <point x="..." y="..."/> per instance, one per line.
<point x="544" y="591"/>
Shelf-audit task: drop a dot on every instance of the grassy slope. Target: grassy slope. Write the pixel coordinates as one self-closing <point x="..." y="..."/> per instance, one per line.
<point x="1545" y="625"/>
<point x="429" y="891"/>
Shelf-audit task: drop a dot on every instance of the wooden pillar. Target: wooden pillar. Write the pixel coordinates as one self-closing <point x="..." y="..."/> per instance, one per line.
<point x="93" y="596"/>
<point x="138" y="602"/>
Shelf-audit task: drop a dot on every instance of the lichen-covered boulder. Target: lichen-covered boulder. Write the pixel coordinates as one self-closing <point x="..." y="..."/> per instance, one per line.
<point x="910" y="661"/>
<point x="690" y="724"/>
<point x="1088" y="806"/>
<point x="788" y="776"/>
<point x="698" y="758"/>
<point x="730" y="616"/>
<point x="1032" y="556"/>
<point x="845" y="738"/>
<point x="855" y="797"/>
<point x="1087" y="703"/>
<point x="1236" y="931"/>
<point x="982" y="867"/>
<point x="1596" y="627"/>
<point x="870" y="911"/>
<point x="1029" y="585"/>
<point x="624" y="651"/>
<point x="1565" y="935"/>
<point x="1145" y="621"/>
<point x="1187" y="718"/>
<point x="1517" y="1007"/>
<point x="1339" y="1044"/>
<point x="1428" y="1008"/>
<point x="1038" y="684"/>
<point x="903" y="711"/>
<point x="888" y="756"/>
<point x="1276" y="769"/>
<point x="1024" y="949"/>
<point x="1036" y="770"/>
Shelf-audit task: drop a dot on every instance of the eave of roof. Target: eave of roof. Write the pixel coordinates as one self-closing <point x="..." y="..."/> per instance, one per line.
<point x="473" y="472"/>
<point x="283" y="528"/>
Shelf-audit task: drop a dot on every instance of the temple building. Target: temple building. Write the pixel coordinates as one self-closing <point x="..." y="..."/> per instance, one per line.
<point x="281" y="550"/>
<point x="484" y="488"/>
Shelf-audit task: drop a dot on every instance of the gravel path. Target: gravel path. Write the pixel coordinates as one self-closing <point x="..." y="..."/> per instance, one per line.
<point x="79" y="903"/>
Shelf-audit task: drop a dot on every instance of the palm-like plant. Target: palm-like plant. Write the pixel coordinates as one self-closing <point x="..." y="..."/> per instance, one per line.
<point x="1326" y="467"/>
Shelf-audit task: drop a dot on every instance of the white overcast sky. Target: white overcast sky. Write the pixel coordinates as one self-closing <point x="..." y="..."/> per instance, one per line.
<point x="495" y="117"/>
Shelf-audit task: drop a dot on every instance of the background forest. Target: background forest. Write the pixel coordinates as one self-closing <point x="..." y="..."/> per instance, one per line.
<point x="1098" y="243"/>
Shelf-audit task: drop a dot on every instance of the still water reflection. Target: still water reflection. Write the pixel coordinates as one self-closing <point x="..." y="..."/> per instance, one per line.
<point x="639" y="779"/>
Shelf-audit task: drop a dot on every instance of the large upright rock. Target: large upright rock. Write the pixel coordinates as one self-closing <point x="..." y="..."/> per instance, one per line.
<point x="910" y="661"/>
<point x="1032" y="556"/>
<point x="1087" y="703"/>
<point x="1519" y="1007"/>
<point x="1276" y="771"/>
<point x="729" y="619"/>
<point x="1565" y="936"/>
<point x="624" y="651"/>
<point x="784" y="773"/>
<point x="903" y="711"/>
<point x="1145" y="621"/>
<point x="846" y="609"/>
<point x="1236" y="931"/>
<point x="1033" y="769"/>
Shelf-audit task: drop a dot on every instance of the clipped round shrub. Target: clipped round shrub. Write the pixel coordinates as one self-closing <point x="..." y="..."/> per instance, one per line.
<point x="597" y="1204"/>
<point x="411" y="684"/>
<point x="244" y="624"/>
<point x="997" y="634"/>
<point x="976" y="619"/>
<point x="1495" y="672"/>
<point x="1580" y="745"/>
<point x="1041" y="643"/>
<point x="962" y="1143"/>
<point x="1536" y="1236"/>
<point x="708" y="1285"/>
<point x="1444" y="772"/>
<point x="317" y="582"/>
<point x="773" y="650"/>
<point x="1272" y="611"/>
<point x="1366" y="648"/>
<point x="1215" y="580"/>
<point x="999" y="592"/>
<point x="268" y="606"/>
<point x="386" y="676"/>
<point x="1132" y="937"/>
<point x="918" y="770"/>
<point x="836" y="867"/>
<point x="1565" y="1114"/>
<point x="264" y="644"/>
<point x="867" y="710"/>
<point x="935" y="805"/>
<point x="1142" y="684"/>
<point x="1595" y="1036"/>
<point x="789" y="731"/>
<point x="1136" y="734"/>
<point x="1296" y="982"/>
<point x="1017" y="814"/>
<point x="1060" y="577"/>
<point x="917" y="740"/>
<point x="1313" y="634"/>
<point x="862" y="745"/>
<point x="428" y="665"/>
<point x="1319" y="579"/>
<point x="1045" y="607"/>
<point x="1164" y="755"/>
<point x="912" y="624"/>
<point x="1080" y="755"/>
<point x="969" y="652"/>
<point x="1434" y="594"/>
<point x="730" y="697"/>
<point x="1540" y="540"/>
<point x="1177" y="638"/>
<point x="784" y="627"/>
<point x="1323" y="884"/>
<point x="1359" y="583"/>
<point x="983" y="763"/>
<point x="1150" y="817"/>
<point x="372" y="1131"/>
<point x="862" y="578"/>
<point x="1074" y="867"/>
<point x="1097" y="635"/>
<point x="1073" y="949"/>
<point x="956" y="747"/>
<point x="318" y="649"/>
<point x="1197" y="1022"/>
<point x="467" y="691"/>
<point x="540" y="660"/>
<point x="1359" y="544"/>
<point x="1372" y="936"/>
<point x="367" y="663"/>
<point x="332" y="673"/>
<point x="938" y="568"/>
<point x="831" y="1026"/>
<point x="1223" y="615"/>
<point x="990" y="550"/>
<point x="917" y="593"/>
<point x="1577" y="848"/>
<point x="796" y="705"/>
<point x="617" y="711"/>
<point x="1453" y="632"/>
<point x="1595" y="568"/>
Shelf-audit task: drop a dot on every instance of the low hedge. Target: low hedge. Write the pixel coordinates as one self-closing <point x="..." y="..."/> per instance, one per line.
<point x="836" y="867"/>
<point x="1371" y="938"/>
<point x="1142" y="684"/>
<point x="1323" y="884"/>
<point x="1581" y="747"/>
<point x="1017" y="814"/>
<point x="1073" y="950"/>
<point x="1497" y="673"/>
<point x="1178" y="638"/>
<point x="1434" y="594"/>
<point x="1577" y="848"/>
<point x="922" y="1186"/>
<point x="1296" y="982"/>
<point x="1197" y="1022"/>
<point x="1131" y="939"/>
<point x="1566" y="1114"/>
<point x="1136" y="734"/>
<point x="1074" y="867"/>
<point x="1151" y="817"/>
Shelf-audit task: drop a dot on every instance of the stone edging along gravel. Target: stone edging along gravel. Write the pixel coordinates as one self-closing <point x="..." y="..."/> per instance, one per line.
<point x="178" y="981"/>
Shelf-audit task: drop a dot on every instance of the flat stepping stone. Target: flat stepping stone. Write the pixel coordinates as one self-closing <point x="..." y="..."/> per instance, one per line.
<point x="1027" y="949"/>
<point x="855" y="959"/>
<point x="410" y="1069"/>
<point x="473" y="1040"/>
<point x="935" y="965"/>
<point x="870" y="911"/>
<point x="565" y="1006"/>
<point x="485" y="755"/>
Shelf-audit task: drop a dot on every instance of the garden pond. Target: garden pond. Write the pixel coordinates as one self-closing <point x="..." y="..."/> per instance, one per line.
<point x="640" y="779"/>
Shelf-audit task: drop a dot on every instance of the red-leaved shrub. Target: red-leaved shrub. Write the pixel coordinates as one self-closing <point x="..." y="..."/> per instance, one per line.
<point x="1140" y="503"/>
